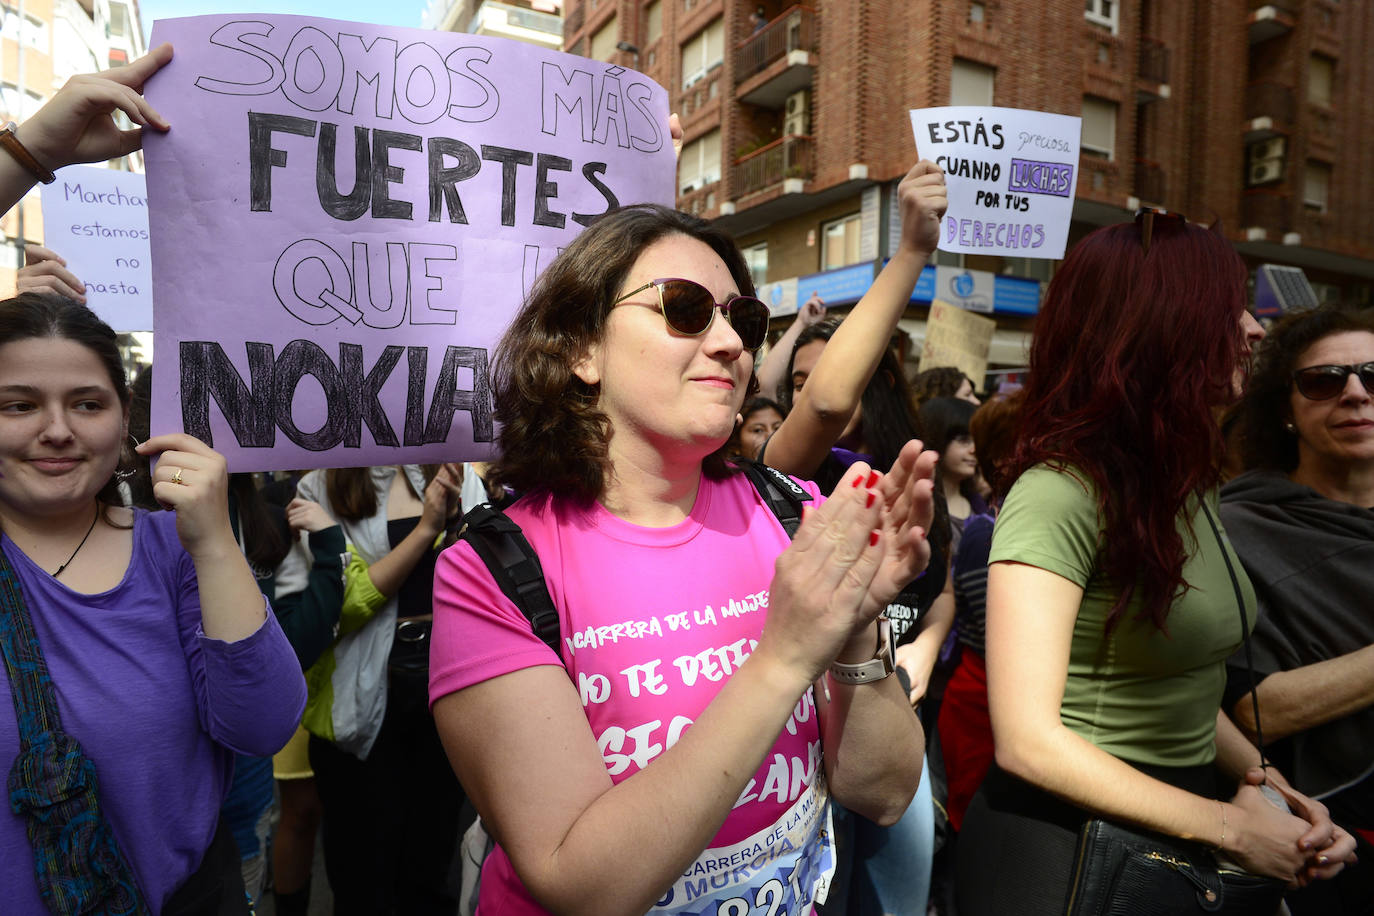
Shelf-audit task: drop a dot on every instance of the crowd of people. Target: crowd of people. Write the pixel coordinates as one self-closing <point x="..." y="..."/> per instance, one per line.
<point x="916" y="670"/>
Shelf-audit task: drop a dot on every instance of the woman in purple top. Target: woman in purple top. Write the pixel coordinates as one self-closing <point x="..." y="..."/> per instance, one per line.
<point x="164" y="657"/>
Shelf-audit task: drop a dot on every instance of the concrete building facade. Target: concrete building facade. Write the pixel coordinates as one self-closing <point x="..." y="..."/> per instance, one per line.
<point x="538" y="22"/>
<point x="1257" y="114"/>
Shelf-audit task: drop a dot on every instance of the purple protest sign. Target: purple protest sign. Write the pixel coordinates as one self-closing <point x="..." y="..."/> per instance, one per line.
<point x="345" y="218"/>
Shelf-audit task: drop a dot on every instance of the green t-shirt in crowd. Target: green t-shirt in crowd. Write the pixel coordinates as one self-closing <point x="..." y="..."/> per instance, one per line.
<point x="1139" y="694"/>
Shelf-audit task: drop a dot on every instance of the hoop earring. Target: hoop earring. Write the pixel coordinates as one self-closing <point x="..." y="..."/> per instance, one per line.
<point x="123" y="474"/>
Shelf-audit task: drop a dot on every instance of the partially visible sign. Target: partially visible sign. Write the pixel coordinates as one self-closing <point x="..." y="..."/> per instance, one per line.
<point x="1011" y="176"/>
<point x="956" y="337"/>
<point x="836" y="287"/>
<point x="97" y="220"/>
<point x="969" y="289"/>
<point x="780" y="297"/>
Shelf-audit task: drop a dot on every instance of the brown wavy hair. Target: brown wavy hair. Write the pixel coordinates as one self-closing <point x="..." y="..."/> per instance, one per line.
<point x="554" y="438"/>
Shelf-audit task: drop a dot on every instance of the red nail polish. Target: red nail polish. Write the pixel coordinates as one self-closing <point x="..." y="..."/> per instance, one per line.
<point x="872" y="539"/>
<point x="868" y="504"/>
<point x="857" y="481"/>
<point x="873" y="478"/>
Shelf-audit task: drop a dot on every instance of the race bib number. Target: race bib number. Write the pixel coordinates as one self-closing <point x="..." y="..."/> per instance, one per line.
<point x="779" y="871"/>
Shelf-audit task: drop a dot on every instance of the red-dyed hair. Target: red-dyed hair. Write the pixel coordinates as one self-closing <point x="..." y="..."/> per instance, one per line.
<point x="1131" y="354"/>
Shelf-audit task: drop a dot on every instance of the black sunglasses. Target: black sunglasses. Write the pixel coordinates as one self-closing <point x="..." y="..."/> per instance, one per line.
<point x="689" y="308"/>
<point x="1322" y="383"/>
<point x="1145" y="218"/>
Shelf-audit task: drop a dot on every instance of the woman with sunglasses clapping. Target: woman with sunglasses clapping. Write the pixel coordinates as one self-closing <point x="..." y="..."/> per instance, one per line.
<point x="1302" y="521"/>
<point x="673" y="756"/>
<point x="1110" y="610"/>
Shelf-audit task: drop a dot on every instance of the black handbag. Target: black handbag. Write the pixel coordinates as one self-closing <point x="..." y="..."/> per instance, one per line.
<point x="1124" y="871"/>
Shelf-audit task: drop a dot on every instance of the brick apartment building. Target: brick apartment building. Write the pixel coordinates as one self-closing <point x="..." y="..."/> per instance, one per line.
<point x="1260" y="114"/>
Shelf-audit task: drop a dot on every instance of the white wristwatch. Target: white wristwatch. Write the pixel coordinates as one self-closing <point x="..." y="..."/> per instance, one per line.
<point x="876" y="668"/>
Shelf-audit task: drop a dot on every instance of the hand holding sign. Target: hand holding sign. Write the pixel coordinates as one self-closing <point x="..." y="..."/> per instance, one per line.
<point x="922" y="199"/>
<point x="45" y="271"/>
<point x="76" y="124"/>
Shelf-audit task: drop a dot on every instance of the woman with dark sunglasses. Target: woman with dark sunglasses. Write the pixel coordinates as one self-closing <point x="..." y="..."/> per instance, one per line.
<point x="1110" y="611"/>
<point x="1302" y="520"/>
<point x="674" y="756"/>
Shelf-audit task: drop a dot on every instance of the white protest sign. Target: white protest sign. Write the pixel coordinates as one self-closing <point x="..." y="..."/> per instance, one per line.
<point x="97" y="220"/>
<point x="1011" y="176"/>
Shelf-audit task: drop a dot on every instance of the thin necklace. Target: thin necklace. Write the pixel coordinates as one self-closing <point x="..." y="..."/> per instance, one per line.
<point x="79" y="546"/>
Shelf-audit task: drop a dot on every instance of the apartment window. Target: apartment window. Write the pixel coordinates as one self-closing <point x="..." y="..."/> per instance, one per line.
<point x="970" y="83"/>
<point x="119" y="19"/>
<point x="977" y="12"/>
<point x="1315" y="186"/>
<point x="1102" y="13"/>
<point x="653" y="22"/>
<point x="603" y="42"/>
<point x="699" y="164"/>
<point x="703" y="53"/>
<point x="19" y="107"/>
<point x="33" y="33"/>
<point x="756" y="257"/>
<point x="1099" y="126"/>
<point x="1321" y="71"/>
<point x="840" y="242"/>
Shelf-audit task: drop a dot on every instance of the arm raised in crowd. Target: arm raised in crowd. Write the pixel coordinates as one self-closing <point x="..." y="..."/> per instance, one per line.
<point x="824" y="406"/>
<point x="772" y="371"/>
<point x="310" y="580"/>
<point x="440" y="503"/>
<point x="77" y="124"/>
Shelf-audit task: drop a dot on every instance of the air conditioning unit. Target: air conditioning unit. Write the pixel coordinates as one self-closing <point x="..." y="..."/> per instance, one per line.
<point x="797" y="115"/>
<point x="1273" y="148"/>
<point x="1264" y="171"/>
<point x="1265" y="160"/>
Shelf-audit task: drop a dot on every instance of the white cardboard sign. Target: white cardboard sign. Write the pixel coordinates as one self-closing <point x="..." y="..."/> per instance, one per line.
<point x="1011" y="176"/>
<point x="97" y="220"/>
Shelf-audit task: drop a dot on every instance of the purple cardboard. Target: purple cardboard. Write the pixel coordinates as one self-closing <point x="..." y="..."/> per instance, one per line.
<point x="345" y="218"/>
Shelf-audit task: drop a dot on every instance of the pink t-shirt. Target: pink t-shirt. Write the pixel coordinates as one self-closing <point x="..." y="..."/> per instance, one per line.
<point x="654" y="620"/>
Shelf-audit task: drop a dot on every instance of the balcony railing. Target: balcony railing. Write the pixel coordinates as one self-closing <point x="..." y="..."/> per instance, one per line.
<point x="699" y="201"/>
<point x="1150" y="183"/>
<point x="786" y="157"/>
<point x="1269" y="100"/>
<point x="702" y="92"/>
<point x="794" y="30"/>
<point x="1154" y="60"/>
<point x="572" y="22"/>
<point x="516" y="17"/>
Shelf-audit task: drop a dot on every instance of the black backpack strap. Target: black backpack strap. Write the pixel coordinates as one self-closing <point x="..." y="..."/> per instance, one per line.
<point x="514" y="565"/>
<point x="781" y="493"/>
